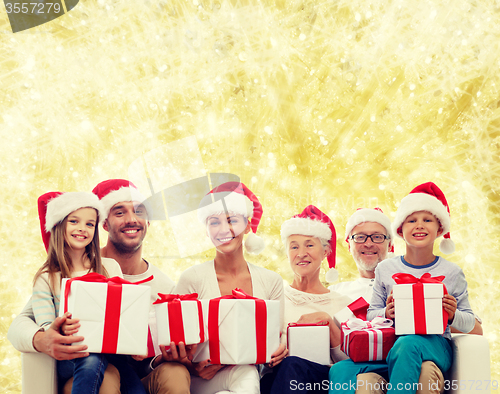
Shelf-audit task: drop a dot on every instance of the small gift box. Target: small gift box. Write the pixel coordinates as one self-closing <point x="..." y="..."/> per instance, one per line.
<point x="179" y="318"/>
<point x="241" y="330"/>
<point x="309" y="341"/>
<point x="367" y="340"/>
<point x="418" y="304"/>
<point x="113" y="312"/>
<point x="356" y="309"/>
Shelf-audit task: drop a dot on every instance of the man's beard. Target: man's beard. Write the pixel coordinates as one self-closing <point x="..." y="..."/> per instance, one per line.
<point x="125" y="249"/>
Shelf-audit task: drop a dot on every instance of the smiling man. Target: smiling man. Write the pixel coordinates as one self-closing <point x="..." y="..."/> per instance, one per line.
<point x="369" y="235"/>
<point x="127" y="224"/>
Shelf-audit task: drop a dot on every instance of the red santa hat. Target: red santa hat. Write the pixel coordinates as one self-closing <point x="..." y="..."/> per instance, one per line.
<point x="314" y="223"/>
<point x="375" y="215"/>
<point x="113" y="191"/>
<point x="234" y="197"/>
<point x="427" y="197"/>
<point x="53" y="207"/>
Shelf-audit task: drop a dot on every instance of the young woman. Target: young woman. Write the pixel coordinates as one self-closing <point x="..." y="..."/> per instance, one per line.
<point x="229" y="212"/>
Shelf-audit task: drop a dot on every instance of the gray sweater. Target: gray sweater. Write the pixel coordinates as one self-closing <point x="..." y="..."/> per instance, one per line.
<point x="454" y="281"/>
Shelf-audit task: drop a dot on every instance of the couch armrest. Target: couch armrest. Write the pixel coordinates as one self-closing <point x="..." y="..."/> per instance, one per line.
<point x="39" y="374"/>
<point x="470" y="370"/>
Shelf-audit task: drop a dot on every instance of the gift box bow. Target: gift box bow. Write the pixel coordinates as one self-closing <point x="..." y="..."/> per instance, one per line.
<point x="113" y="305"/>
<point x="175" y="321"/>
<point x="359" y="308"/>
<point x="418" y="296"/>
<point x="260" y="322"/>
<point x="375" y="335"/>
<point x="360" y="325"/>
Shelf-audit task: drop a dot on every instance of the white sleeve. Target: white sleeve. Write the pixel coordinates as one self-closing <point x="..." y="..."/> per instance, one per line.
<point x="22" y="330"/>
<point x="187" y="283"/>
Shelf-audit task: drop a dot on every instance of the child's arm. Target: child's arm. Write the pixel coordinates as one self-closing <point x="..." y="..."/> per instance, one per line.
<point x="379" y="297"/>
<point x="43" y="301"/>
<point x="463" y="317"/>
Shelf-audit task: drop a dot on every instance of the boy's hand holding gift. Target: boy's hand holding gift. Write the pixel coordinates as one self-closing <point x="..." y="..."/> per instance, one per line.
<point x="450" y="306"/>
<point x="389" y="309"/>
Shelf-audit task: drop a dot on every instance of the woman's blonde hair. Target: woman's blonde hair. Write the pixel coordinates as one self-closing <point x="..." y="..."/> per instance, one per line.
<point x="58" y="259"/>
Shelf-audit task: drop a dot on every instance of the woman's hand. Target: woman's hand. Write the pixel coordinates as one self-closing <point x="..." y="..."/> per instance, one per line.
<point x="205" y="370"/>
<point x="324" y="318"/>
<point x="450" y="306"/>
<point x="389" y="309"/>
<point x="70" y="326"/>
<point x="278" y="355"/>
<point x="315" y="317"/>
<point x="180" y="353"/>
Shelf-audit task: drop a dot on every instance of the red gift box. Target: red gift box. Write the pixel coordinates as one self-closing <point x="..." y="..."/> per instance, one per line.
<point x="418" y="304"/>
<point x="179" y="319"/>
<point x="367" y="340"/>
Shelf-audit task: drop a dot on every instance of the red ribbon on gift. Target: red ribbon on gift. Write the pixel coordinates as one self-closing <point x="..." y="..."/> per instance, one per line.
<point x="175" y="322"/>
<point x="295" y="324"/>
<point x="377" y="344"/>
<point x="260" y="325"/>
<point x="113" y="305"/>
<point x="359" y="308"/>
<point x="418" y="297"/>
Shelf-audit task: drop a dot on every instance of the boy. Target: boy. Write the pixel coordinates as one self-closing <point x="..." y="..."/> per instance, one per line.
<point x="422" y="217"/>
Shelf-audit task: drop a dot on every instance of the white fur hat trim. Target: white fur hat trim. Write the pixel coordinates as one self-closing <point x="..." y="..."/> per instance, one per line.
<point x="61" y="206"/>
<point x="234" y="203"/>
<point x="415" y="202"/>
<point x="369" y="215"/>
<point x="305" y="226"/>
<point x="120" y="195"/>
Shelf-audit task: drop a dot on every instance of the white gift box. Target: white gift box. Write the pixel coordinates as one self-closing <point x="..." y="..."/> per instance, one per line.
<point x="428" y="318"/>
<point x="185" y="327"/>
<point x="311" y="342"/>
<point x="356" y="309"/>
<point x="233" y="337"/>
<point x="120" y="315"/>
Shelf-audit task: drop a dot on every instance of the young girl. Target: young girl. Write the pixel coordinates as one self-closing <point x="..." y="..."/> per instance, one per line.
<point x="229" y="212"/>
<point x="69" y="224"/>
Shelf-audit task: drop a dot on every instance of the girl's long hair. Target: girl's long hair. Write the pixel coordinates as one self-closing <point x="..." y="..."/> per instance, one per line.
<point x="58" y="259"/>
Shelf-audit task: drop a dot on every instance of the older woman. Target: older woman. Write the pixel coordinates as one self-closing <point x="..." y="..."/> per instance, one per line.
<point x="229" y="212"/>
<point x="308" y="237"/>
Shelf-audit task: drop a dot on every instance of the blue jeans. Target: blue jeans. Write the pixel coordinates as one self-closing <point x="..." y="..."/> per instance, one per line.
<point x="87" y="373"/>
<point x="402" y="366"/>
<point x="129" y="380"/>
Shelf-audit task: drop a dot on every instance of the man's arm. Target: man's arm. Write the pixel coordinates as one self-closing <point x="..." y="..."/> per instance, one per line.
<point x="22" y="330"/>
<point x="26" y="336"/>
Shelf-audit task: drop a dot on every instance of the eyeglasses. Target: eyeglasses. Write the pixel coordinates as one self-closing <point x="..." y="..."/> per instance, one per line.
<point x="376" y="238"/>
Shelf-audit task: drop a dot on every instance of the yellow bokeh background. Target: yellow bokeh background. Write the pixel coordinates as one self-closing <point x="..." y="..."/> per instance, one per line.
<point x="340" y="104"/>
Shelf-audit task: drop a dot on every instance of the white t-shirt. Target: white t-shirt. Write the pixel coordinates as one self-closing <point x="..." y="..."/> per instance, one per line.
<point x="160" y="283"/>
<point x="361" y="287"/>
